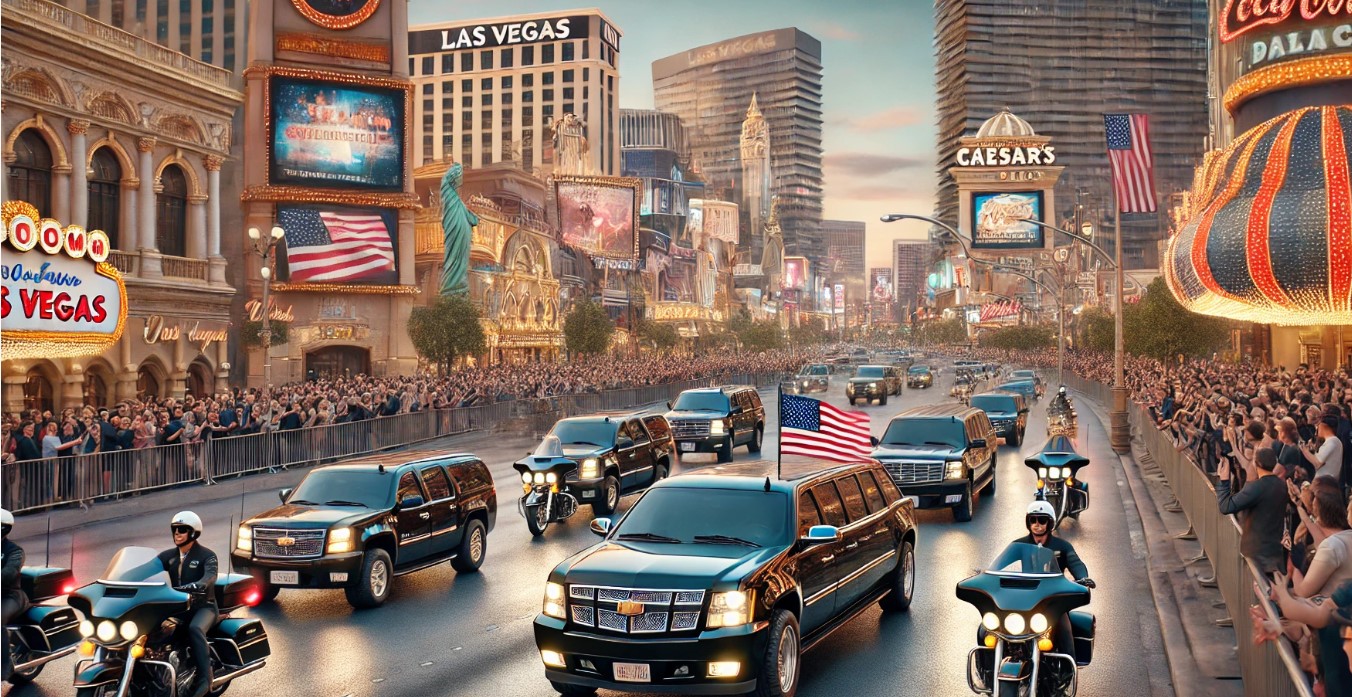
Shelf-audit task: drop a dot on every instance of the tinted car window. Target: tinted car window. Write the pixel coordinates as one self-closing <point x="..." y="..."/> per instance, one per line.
<point x="658" y="427"/>
<point x="438" y="486"/>
<point x="365" y="486"/>
<point x="890" y="489"/>
<point x="872" y="493"/>
<point x="753" y="399"/>
<point x="471" y="477"/>
<point x="598" y="433"/>
<point x="828" y="501"/>
<point x="763" y="518"/>
<point x="869" y="371"/>
<point x="992" y="402"/>
<point x="807" y="514"/>
<point x="408" y="486"/>
<point x="906" y="431"/>
<point x="637" y="433"/>
<point x="701" y="401"/>
<point x="854" y="498"/>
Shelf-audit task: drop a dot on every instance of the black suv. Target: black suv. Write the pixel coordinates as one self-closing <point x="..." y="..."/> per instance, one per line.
<point x="944" y="454"/>
<point x="715" y="584"/>
<point x="814" y="377"/>
<point x="717" y="419"/>
<point x="357" y="525"/>
<point x="1008" y="412"/>
<point x="615" y="454"/>
<point x="872" y="382"/>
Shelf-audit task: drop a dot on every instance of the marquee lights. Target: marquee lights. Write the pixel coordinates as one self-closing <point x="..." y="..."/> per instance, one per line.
<point x="1296" y="73"/>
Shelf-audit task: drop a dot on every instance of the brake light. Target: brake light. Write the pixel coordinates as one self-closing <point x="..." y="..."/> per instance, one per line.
<point x="69" y="587"/>
<point x="252" y="598"/>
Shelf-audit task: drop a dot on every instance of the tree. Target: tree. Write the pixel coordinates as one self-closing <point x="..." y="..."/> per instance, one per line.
<point x="587" y="330"/>
<point x="1019" y="338"/>
<point x="659" y="335"/>
<point x="1097" y="330"/>
<point x="1159" y="327"/>
<point x="811" y="332"/>
<point x="940" y="331"/>
<point x="762" y="336"/>
<point x="447" y="330"/>
<point x="251" y="333"/>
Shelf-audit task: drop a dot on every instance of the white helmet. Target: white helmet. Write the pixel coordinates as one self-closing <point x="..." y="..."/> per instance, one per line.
<point x="6" y="520"/>
<point x="189" y="519"/>
<point x="1040" y="508"/>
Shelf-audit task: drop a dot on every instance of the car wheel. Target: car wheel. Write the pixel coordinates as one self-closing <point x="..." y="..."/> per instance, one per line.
<point x="990" y="488"/>
<point x="473" y="549"/>
<point x="903" y="581"/>
<point x="610" y="497"/>
<point x="962" y="512"/>
<point x="882" y="401"/>
<point x="725" y="451"/>
<point x="372" y="586"/>
<point x="1016" y="438"/>
<point x="755" y="445"/>
<point x="661" y="470"/>
<point x="779" y="667"/>
<point x="572" y="690"/>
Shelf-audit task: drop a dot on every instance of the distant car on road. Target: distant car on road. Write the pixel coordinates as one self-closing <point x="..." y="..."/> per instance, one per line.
<point x="718" y="419"/>
<point x="944" y="454"/>
<point x="1008" y="412"/>
<point x="815" y="377"/>
<point x="872" y="382"/>
<point x="919" y="376"/>
<point x="616" y="454"/>
<point x="1027" y="388"/>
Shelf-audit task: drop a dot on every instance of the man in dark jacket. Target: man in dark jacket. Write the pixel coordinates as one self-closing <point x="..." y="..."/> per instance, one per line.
<point x="1263" y="503"/>
<point x="1040" y="520"/>
<point x="14" y="599"/>
<point x="192" y="569"/>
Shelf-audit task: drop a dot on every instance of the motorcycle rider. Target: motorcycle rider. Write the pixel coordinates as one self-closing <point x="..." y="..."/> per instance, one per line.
<point x="192" y="569"/>
<point x="1040" y="520"/>
<point x="1061" y="402"/>
<point x="15" y="601"/>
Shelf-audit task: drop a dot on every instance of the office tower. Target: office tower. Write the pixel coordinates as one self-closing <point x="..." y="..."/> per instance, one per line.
<point x="910" y="258"/>
<point x="488" y="90"/>
<point x="843" y="241"/>
<point x="711" y="88"/>
<point x="1061" y="65"/>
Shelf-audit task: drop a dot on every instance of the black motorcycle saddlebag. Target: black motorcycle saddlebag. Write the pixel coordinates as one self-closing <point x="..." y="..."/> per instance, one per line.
<point x="58" y="625"/>
<point x="43" y="582"/>
<point x="232" y="591"/>
<point x="240" y="642"/>
<point x="1082" y="627"/>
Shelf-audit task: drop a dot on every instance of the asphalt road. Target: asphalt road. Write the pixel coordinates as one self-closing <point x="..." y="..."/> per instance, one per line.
<point x="445" y="634"/>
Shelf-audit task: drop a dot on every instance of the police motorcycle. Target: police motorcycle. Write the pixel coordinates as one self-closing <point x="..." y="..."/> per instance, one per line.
<point x="544" y="499"/>
<point x="135" y="644"/>
<point x="964" y="384"/>
<point x="1057" y="466"/>
<point x="1022" y="596"/>
<point x="1061" y="417"/>
<point x="43" y="632"/>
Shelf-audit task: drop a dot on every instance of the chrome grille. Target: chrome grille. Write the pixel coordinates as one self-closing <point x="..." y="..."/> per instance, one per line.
<point x="663" y="610"/>
<point x="308" y="543"/>
<point x="689" y="428"/>
<point x="904" y="473"/>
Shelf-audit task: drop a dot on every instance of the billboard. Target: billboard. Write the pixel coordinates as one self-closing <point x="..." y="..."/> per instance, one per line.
<point x="599" y="215"/>
<point x="839" y="298"/>
<point x="337" y="244"/>
<point x="335" y="134"/>
<point x="795" y="273"/>
<point x="883" y="291"/>
<point x="996" y="220"/>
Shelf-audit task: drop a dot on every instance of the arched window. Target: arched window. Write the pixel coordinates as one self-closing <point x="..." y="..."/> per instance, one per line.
<point x="171" y="213"/>
<point x="105" y="192"/>
<point x="30" y="175"/>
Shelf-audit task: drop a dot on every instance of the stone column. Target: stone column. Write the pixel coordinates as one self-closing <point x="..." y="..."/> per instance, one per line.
<point x="127" y="374"/>
<point x="197" y="227"/>
<point x="79" y="180"/>
<point x="216" y="273"/>
<point x="127" y="239"/>
<point x="145" y="214"/>
<point x="72" y="390"/>
<point x="13" y="393"/>
<point x="60" y="194"/>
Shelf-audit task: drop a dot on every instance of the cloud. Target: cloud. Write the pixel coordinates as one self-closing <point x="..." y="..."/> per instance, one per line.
<point x="886" y="120"/>
<point x="863" y="164"/>
<point x="832" y="30"/>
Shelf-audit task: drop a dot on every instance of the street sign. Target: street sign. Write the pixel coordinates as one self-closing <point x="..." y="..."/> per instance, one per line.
<point x="1086" y="279"/>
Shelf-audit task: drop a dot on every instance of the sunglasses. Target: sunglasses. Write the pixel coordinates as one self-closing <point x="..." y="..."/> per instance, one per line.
<point x="182" y="529"/>
<point x="1039" y="520"/>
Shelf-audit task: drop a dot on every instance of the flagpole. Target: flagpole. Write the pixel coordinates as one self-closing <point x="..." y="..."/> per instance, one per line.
<point x="779" y="436"/>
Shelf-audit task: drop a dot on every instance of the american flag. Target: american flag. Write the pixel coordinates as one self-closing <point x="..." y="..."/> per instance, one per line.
<point x="814" y="428"/>
<point x="1133" y="170"/>
<point x="335" y="246"/>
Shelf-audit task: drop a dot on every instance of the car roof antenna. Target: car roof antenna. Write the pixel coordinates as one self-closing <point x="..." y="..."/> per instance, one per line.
<point x="381" y="468"/>
<point x="767" y="483"/>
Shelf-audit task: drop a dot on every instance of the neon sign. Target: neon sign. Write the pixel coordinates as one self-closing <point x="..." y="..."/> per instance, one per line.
<point x="1243" y="16"/>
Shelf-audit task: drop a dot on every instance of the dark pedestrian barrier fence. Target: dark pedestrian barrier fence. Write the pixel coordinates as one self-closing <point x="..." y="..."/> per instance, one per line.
<point x="32" y="485"/>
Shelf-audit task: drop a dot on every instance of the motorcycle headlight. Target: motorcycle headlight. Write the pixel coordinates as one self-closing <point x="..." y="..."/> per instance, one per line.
<point x="539" y="478"/>
<point x="1054" y="472"/>
<point x="716" y="427"/>
<point x="1014" y="623"/>
<point x="1038" y="623"/>
<point x="525" y="478"/>
<point x="244" y="538"/>
<point x="550" y="478"/>
<point x="340" y="541"/>
<point x="730" y="609"/>
<point x="107" y="631"/>
<point x="990" y="621"/>
<point x="591" y="469"/>
<point x="129" y="631"/>
<point x="86" y="629"/>
<point x="554" y="605"/>
<point x="953" y="470"/>
<point x="1042" y="473"/>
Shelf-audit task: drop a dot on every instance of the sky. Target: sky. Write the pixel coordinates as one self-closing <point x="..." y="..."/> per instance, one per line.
<point x="877" y="79"/>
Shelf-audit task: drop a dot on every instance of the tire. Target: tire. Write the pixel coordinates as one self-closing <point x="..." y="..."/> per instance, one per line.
<point x="755" y="445"/>
<point x="18" y="677"/>
<point x="369" y="591"/>
<point x="572" y="690"/>
<point x="218" y="691"/>
<point x="1007" y="688"/>
<point x="902" y="582"/>
<point x="1016" y="438"/>
<point x="661" y="470"/>
<point x="782" y="655"/>
<point x="882" y="401"/>
<point x="725" y="451"/>
<point x="473" y="548"/>
<point x="610" y="496"/>
<point x="990" y="488"/>
<point x="97" y="691"/>
<point x="535" y="520"/>
<point x="962" y="513"/>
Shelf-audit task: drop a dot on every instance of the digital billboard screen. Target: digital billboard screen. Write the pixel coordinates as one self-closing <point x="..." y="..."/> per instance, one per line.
<point x="336" y="135"/>
<point x="997" y="220"/>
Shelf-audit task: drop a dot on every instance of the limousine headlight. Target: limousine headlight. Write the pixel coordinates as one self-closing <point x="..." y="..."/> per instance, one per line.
<point x="730" y="609"/>
<point x="953" y="469"/>
<point x="590" y="469"/>
<point x="340" y="541"/>
<point x="244" y="539"/>
<point x="554" y="605"/>
<point x="717" y="427"/>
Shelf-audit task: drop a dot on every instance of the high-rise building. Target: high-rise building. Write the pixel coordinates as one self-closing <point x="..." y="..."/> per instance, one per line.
<point x="211" y="31"/>
<point x="489" y="90"/>
<point x="1061" y="65"/>
<point x="843" y="242"/>
<point x="910" y="258"/>
<point x="711" y="88"/>
<point x="655" y="149"/>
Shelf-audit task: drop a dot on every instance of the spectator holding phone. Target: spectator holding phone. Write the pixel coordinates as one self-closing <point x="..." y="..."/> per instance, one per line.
<point x="1261" y="507"/>
<point x="1328" y="459"/>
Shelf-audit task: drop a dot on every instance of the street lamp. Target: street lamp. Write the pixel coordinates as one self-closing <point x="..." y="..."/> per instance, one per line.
<point x="265" y="248"/>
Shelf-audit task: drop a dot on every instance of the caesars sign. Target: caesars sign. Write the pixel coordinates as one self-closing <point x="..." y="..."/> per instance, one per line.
<point x="1006" y="156"/>
<point x="1272" y="31"/>
<point x="60" y="298"/>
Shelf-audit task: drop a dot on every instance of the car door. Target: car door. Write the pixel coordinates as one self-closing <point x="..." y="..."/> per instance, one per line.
<point x="832" y="510"/>
<point x="636" y="461"/>
<point x="816" y="565"/>
<point x="659" y="429"/>
<point x="415" y="521"/>
<point x="866" y="554"/>
<point x="442" y="504"/>
<point x="745" y="420"/>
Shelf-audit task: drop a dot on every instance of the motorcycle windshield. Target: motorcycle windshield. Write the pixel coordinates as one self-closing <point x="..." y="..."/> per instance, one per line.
<point x="136" y="565"/>
<point x="1024" y="558"/>
<point x="549" y="447"/>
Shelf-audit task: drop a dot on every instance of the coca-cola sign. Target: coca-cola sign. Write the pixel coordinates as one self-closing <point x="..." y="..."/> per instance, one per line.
<point x="1243" y="16"/>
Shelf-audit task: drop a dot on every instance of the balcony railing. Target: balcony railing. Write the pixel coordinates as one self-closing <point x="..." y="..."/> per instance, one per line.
<point x="125" y="262"/>
<point x="182" y="267"/>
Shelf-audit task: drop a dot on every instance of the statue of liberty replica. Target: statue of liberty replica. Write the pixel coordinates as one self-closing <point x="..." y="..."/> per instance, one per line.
<point x="457" y="225"/>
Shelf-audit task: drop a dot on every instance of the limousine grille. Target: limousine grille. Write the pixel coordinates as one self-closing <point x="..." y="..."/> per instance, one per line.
<point x="303" y="543"/>
<point x="689" y="428"/>
<point x="599" y="607"/>
<point x="904" y="473"/>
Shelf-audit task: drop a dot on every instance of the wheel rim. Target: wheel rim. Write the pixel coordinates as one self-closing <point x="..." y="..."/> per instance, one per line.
<point x="476" y="545"/>
<point x="380" y="578"/>
<point x="907" y="573"/>
<point x="759" y="436"/>
<point x="541" y="520"/>
<point x="612" y="495"/>
<point x="788" y="659"/>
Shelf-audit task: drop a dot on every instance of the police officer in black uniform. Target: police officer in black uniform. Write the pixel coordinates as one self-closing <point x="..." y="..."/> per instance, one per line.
<point x="192" y="569"/>
<point x="14" y="599"/>
<point x="1040" y="520"/>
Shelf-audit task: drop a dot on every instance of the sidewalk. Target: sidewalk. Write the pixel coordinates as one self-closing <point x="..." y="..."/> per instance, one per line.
<point x="1203" y="660"/>
<point x="191" y="495"/>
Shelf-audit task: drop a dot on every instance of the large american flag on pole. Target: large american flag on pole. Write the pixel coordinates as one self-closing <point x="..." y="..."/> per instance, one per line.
<point x="336" y="246"/>
<point x="1133" y="170"/>
<point x="816" y="429"/>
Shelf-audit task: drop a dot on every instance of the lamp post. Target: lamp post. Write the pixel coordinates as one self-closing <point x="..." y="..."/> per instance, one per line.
<point x="265" y="247"/>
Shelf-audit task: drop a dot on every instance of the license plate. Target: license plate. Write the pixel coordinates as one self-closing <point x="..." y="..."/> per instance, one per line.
<point x="589" y="494"/>
<point x="687" y="447"/>
<point x="632" y="672"/>
<point x="953" y="498"/>
<point x="338" y="577"/>
<point x="285" y="578"/>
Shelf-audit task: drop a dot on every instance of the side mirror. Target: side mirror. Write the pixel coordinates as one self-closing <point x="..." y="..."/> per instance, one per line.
<point x="818" y="534"/>
<point x="873" y="440"/>
<point x="411" y="502"/>
<point x="601" y="526"/>
<point x="979" y="443"/>
<point x="668" y="404"/>
<point x="283" y="494"/>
